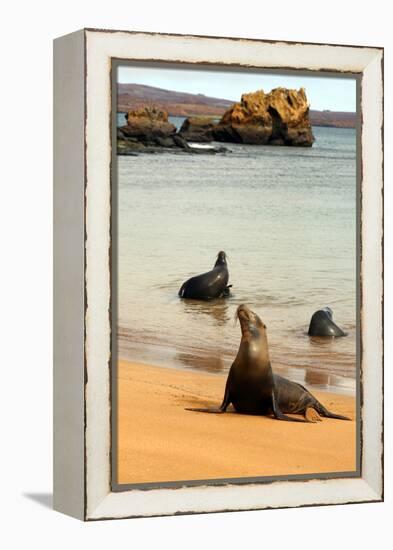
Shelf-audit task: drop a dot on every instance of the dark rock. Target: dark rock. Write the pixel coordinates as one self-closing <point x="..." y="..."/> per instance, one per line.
<point x="198" y="129"/>
<point x="181" y="142"/>
<point x="126" y="146"/>
<point x="149" y="131"/>
<point x="165" y="141"/>
<point x="148" y="124"/>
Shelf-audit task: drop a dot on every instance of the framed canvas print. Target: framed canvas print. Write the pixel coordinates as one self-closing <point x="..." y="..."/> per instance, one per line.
<point x="218" y="274"/>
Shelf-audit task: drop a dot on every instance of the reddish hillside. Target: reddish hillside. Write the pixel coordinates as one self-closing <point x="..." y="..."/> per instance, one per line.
<point x="336" y="119"/>
<point x="133" y="96"/>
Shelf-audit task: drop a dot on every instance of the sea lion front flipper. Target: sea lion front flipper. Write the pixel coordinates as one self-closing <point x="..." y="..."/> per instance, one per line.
<point x="223" y="407"/>
<point x="216" y="411"/>
<point x="280" y="415"/>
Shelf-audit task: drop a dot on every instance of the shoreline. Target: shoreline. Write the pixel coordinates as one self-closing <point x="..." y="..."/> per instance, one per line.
<point x="159" y="441"/>
<point x="218" y="363"/>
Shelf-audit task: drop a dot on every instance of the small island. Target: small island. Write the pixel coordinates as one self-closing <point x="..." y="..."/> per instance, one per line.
<point x="280" y="117"/>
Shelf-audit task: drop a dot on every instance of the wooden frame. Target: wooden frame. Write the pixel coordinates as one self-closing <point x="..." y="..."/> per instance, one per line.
<point x="82" y="241"/>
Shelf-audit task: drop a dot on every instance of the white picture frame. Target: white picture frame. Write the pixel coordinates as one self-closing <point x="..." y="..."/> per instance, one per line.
<point x="82" y="292"/>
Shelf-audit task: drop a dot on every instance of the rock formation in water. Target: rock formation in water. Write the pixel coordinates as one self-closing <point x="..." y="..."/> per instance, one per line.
<point x="148" y="125"/>
<point x="148" y="130"/>
<point x="280" y="117"/>
<point x="198" y="129"/>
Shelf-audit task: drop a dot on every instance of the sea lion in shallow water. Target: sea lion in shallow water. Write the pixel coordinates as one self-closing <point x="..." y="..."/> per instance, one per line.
<point x="213" y="284"/>
<point x="322" y="324"/>
<point x="251" y="386"/>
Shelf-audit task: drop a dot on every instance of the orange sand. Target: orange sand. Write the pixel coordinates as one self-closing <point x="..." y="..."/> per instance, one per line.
<point x="160" y="441"/>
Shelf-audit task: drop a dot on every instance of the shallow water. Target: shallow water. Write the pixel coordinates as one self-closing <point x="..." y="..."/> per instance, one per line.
<point x="286" y="218"/>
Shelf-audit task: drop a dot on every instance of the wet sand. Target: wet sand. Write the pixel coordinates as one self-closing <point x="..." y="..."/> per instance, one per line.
<point x="160" y="441"/>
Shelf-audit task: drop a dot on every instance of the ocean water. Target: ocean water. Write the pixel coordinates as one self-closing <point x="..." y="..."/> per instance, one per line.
<point x="286" y="217"/>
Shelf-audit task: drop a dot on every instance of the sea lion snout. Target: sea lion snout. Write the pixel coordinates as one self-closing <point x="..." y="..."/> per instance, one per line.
<point x="246" y="316"/>
<point x="243" y="312"/>
<point x="222" y="257"/>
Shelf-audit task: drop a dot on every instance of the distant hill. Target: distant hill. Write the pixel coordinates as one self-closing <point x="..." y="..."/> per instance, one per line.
<point x="335" y="119"/>
<point x="131" y="96"/>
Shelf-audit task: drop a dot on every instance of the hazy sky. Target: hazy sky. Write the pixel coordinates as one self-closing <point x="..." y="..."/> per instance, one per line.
<point x="335" y="94"/>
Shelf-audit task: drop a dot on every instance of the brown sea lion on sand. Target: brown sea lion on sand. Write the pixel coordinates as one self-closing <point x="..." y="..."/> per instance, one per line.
<point x="251" y="386"/>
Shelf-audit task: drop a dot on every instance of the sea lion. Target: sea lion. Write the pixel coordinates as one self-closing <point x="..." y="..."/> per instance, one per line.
<point x="251" y="386"/>
<point x="322" y="324"/>
<point x="213" y="284"/>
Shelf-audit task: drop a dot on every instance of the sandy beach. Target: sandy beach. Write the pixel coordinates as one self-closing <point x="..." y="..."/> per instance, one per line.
<point x="160" y="441"/>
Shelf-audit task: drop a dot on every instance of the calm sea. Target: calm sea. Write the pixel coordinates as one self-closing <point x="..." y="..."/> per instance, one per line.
<point x="286" y="218"/>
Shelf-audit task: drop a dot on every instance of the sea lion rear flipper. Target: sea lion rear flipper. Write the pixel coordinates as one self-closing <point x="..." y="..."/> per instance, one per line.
<point x="279" y="415"/>
<point x="226" y="291"/>
<point x="311" y="415"/>
<point x="327" y="414"/>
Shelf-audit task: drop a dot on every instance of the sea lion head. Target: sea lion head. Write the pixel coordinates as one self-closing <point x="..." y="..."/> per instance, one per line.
<point x="253" y="333"/>
<point x="328" y="311"/>
<point x="322" y="324"/>
<point x="249" y="321"/>
<point x="221" y="259"/>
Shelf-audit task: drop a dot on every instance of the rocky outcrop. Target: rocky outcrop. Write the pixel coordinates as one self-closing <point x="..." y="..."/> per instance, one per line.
<point x="148" y="130"/>
<point x="198" y="129"/>
<point x="148" y="125"/>
<point x="280" y="117"/>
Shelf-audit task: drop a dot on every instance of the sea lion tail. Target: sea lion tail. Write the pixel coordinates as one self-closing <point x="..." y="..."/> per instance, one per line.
<point x="327" y="414"/>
